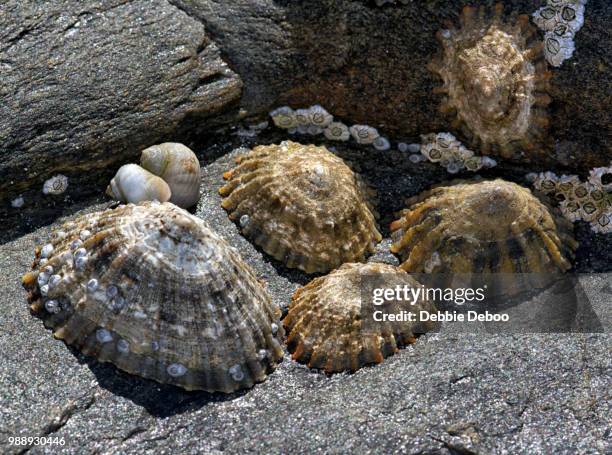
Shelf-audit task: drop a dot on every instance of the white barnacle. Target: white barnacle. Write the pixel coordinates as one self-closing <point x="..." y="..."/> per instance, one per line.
<point x="80" y="252"/>
<point x="337" y="131"/>
<point x="103" y="336"/>
<point x="381" y="143"/>
<point x="320" y="117"/>
<point x="155" y="345"/>
<point x="363" y="134"/>
<point x="262" y="354"/>
<point x="118" y="303"/>
<point x="602" y="176"/>
<point x="80" y="263"/>
<point x="48" y="270"/>
<point x="52" y="306"/>
<point x="274" y="328"/>
<point x="84" y="234"/>
<point x="416" y="158"/>
<point x="176" y="370"/>
<point x="46" y="251"/>
<point x="44" y="290"/>
<point x="244" y="221"/>
<point x="488" y="162"/>
<point x="123" y="346"/>
<point x="403" y="147"/>
<point x="92" y="285"/>
<point x="42" y="279"/>
<point x="557" y="49"/>
<point x="54" y="280"/>
<point x="454" y="166"/>
<point x="236" y="373"/>
<point x="284" y="117"/>
<point x="55" y="185"/>
<point x="302" y="117"/>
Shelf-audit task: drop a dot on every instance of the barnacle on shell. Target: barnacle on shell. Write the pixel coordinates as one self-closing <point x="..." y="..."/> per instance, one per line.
<point x="302" y="205"/>
<point x="151" y="289"/>
<point x="326" y="326"/>
<point x="482" y="227"/>
<point x="495" y="85"/>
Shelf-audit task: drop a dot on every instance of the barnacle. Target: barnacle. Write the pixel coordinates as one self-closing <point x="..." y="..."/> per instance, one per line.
<point x="482" y="227"/>
<point x="327" y="326"/>
<point x="337" y="131"/>
<point x="284" y="117"/>
<point x="319" y="117"/>
<point x="302" y="205"/>
<point x="493" y="83"/>
<point x="151" y="289"/>
<point x="363" y="134"/>
<point x="57" y="184"/>
<point x="445" y="149"/>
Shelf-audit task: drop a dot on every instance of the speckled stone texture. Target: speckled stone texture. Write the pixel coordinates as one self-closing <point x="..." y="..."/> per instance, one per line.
<point x="87" y="84"/>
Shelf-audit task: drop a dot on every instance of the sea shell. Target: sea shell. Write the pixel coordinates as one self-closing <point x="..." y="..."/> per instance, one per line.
<point x="151" y="289"/>
<point x="180" y="169"/>
<point x="55" y="185"/>
<point x="302" y="205"/>
<point x="326" y="326"/>
<point x="494" y="85"/>
<point x="135" y="184"/>
<point x="482" y="227"/>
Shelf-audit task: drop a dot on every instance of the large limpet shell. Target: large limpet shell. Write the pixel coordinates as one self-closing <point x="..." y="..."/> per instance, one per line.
<point x="302" y="205"/>
<point x="482" y="227"/>
<point x="495" y="81"/>
<point x="151" y="289"/>
<point x="325" y="323"/>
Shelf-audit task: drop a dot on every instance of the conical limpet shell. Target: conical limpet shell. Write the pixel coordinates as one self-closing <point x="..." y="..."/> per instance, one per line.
<point x="180" y="169"/>
<point x="325" y="323"/>
<point x="302" y="205"/>
<point x="482" y="227"/>
<point x="495" y="81"/>
<point x="151" y="289"/>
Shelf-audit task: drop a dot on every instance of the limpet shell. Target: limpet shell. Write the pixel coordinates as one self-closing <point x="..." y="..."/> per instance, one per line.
<point x="482" y="227"/>
<point x="161" y="296"/>
<point x="302" y="205"/>
<point x="495" y="81"/>
<point x="325" y="323"/>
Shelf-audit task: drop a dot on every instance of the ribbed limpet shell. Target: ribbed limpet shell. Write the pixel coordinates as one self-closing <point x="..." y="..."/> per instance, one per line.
<point x="495" y="81"/>
<point x="482" y="227"/>
<point x="325" y="323"/>
<point x="302" y="205"/>
<point x="151" y="289"/>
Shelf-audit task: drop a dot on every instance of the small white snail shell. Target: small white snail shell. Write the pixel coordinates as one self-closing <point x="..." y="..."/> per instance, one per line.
<point x="179" y="167"/>
<point x="135" y="184"/>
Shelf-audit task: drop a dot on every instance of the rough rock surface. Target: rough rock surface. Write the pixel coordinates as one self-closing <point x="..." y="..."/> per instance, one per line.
<point x="447" y="394"/>
<point x="367" y="64"/>
<point x="87" y="84"/>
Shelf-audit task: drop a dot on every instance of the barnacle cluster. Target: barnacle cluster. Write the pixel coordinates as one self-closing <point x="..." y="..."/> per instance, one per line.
<point x="151" y="289"/>
<point x="315" y="120"/>
<point x="494" y="86"/>
<point x="589" y="201"/>
<point x="445" y="149"/>
<point x="477" y="227"/>
<point x="392" y="2"/>
<point x="302" y="205"/>
<point x="560" y="20"/>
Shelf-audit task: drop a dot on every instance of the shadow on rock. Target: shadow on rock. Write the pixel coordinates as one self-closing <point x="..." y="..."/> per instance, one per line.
<point x="160" y="400"/>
